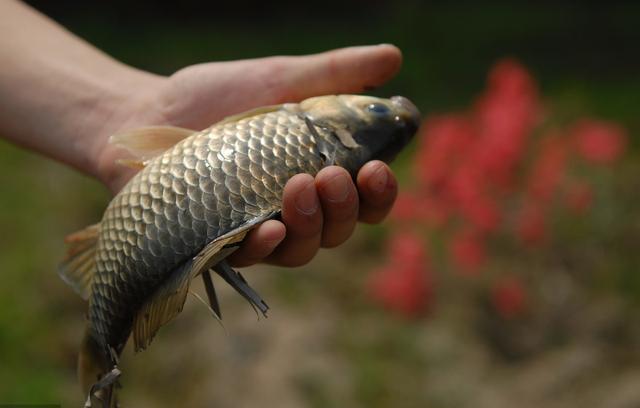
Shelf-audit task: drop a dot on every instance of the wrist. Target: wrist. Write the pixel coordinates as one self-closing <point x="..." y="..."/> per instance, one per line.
<point x="126" y="100"/>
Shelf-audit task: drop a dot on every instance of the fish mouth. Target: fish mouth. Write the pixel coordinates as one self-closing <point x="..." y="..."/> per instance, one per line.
<point x="407" y="111"/>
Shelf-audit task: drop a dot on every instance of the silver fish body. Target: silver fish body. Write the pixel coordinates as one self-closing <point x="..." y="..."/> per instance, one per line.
<point x="204" y="187"/>
<point x="190" y="207"/>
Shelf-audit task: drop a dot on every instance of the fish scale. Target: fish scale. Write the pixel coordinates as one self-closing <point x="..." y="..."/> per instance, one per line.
<point x="170" y="216"/>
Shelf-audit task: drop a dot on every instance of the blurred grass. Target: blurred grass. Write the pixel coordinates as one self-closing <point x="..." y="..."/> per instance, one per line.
<point x="585" y="58"/>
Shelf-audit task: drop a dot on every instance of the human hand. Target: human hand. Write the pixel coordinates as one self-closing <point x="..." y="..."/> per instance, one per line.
<point x="317" y="212"/>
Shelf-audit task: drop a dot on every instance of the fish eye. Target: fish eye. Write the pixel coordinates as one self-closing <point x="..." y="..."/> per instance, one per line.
<point x="377" y="108"/>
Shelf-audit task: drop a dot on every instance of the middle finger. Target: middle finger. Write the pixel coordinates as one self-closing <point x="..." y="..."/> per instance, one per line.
<point x="302" y="217"/>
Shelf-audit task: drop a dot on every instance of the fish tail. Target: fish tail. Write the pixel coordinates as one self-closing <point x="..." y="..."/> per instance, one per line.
<point x="97" y="372"/>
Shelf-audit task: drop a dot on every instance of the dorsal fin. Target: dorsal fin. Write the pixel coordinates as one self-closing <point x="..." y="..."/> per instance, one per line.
<point x="252" y="112"/>
<point x="78" y="267"/>
<point x="151" y="141"/>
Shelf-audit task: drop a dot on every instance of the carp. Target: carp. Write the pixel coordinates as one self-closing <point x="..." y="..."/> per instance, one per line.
<point x="197" y="195"/>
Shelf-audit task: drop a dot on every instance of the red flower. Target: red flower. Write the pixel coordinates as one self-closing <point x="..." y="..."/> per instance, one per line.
<point x="406" y="290"/>
<point x="406" y="207"/>
<point x="467" y="251"/>
<point x="548" y="168"/>
<point x="509" y="77"/>
<point x="530" y="224"/>
<point x="469" y="168"/>
<point x="444" y="142"/>
<point x="509" y="298"/>
<point x="482" y="212"/>
<point x="433" y="212"/>
<point x="505" y="116"/>
<point x="414" y="208"/>
<point x="407" y="249"/>
<point x="599" y="142"/>
<point x="466" y="190"/>
<point x="405" y="285"/>
<point x="578" y="197"/>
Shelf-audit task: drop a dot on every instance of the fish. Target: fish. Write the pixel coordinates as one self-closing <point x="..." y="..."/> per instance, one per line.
<point x="195" y="198"/>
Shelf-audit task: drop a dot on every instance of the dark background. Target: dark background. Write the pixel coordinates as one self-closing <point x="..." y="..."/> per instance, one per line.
<point x="447" y="46"/>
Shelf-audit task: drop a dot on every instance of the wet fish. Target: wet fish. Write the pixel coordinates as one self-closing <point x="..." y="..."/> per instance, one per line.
<point x="193" y="202"/>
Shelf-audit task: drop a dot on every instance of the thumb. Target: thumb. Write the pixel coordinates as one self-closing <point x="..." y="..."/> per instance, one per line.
<point x="345" y="70"/>
<point x="201" y="94"/>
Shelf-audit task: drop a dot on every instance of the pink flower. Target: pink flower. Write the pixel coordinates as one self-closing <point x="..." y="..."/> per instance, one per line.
<point x="405" y="284"/>
<point x="433" y="212"/>
<point x="578" y="197"/>
<point x="443" y="144"/>
<point x="509" y="77"/>
<point x="471" y="168"/>
<point x="599" y="142"/>
<point x="411" y="207"/>
<point x="505" y="116"/>
<point x="530" y="224"/>
<point x="466" y="189"/>
<point x="509" y="298"/>
<point x="406" y="207"/>
<point x="482" y="212"/>
<point x="548" y="168"/>
<point x="467" y="251"/>
<point x="407" y="249"/>
<point x="406" y="290"/>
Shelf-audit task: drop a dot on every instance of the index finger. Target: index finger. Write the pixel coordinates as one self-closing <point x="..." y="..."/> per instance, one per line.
<point x="378" y="190"/>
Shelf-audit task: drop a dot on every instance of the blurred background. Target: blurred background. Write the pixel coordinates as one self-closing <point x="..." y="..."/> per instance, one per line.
<point x="507" y="273"/>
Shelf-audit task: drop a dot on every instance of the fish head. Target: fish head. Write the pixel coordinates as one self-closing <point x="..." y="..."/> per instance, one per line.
<point x="369" y="128"/>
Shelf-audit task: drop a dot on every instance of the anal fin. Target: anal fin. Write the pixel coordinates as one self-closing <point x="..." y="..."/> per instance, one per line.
<point x="211" y="293"/>
<point x="239" y="283"/>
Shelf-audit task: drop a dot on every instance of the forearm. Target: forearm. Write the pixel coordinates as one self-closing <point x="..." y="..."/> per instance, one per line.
<point x="58" y="94"/>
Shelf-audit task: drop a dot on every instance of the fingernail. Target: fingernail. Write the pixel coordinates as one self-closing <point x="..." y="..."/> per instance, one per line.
<point x="337" y="189"/>
<point x="307" y="200"/>
<point x="378" y="181"/>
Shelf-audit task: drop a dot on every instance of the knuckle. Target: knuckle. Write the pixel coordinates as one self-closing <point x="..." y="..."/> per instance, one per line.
<point x="307" y="227"/>
<point x="343" y="213"/>
<point x="294" y="262"/>
<point x="338" y="233"/>
<point x="340" y="212"/>
<point x="302" y="255"/>
<point x="382" y="202"/>
<point x="333" y="242"/>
